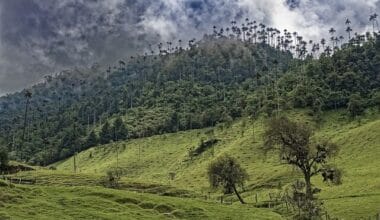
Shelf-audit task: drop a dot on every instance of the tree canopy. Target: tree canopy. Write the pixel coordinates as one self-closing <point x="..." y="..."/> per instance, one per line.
<point x="227" y="173"/>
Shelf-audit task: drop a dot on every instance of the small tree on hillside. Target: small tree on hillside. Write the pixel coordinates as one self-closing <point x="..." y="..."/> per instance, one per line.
<point x="355" y="105"/>
<point x="92" y="139"/>
<point x="293" y="142"/>
<point x="105" y="134"/>
<point x="120" y="130"/>
<point x="227" y="173"/>
<point x="3" y="158"/>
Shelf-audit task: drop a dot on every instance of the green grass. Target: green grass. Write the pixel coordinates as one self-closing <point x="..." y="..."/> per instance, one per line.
<point x="147" y="162"/>
<point x="58" y="201"/>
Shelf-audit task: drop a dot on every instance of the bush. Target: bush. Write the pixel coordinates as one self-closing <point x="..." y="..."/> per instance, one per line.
<point x="112" y="178"/>
<point x="3" y="159"/>
<point x="203" y="146"/>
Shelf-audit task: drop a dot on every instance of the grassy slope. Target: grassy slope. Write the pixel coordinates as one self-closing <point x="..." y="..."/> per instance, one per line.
<point x="159" y="155"/>
<point x="62" y="194"/>
<point x="91" y="202"/>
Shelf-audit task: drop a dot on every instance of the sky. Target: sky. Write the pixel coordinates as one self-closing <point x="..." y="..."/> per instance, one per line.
<point x="41" y="37"/>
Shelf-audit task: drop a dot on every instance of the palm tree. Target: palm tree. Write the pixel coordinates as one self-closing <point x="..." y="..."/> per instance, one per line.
<point x="373" y="19"/>
<point x="332" y="32"/>
<point x="28" y="96"/>
<point x="328" y="50"/>
<point x="323" y="43"/>
<point x="341" y="38"/>
<point x="121" y="65"/>
<point x="349" y="30"/>
<point x="348" y="22"/>
<point x="255" y="34"/>
<point x="215" y="32"/>
<point x="228" y="32"/>
<point x="244" y="29"/>
<point x="180" y="44"/>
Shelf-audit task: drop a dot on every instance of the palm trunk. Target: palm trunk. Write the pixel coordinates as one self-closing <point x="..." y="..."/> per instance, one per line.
<point x="25" y="118"/>
<point x="238" y="195"/>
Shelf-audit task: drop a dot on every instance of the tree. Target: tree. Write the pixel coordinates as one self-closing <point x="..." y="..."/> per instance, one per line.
<point x="105" y="134"/>
<point x="92" y="139"/>
<point x="3" y="158"/>
<point x="227" y="173"/>
<point x="375" y="100"/>
<point x="373" y="19"/>
<point x="355" y="105"/>
<point x="293" y="141"/>
<point x="349" y="30"/>
<point x="27" y="96"/>
<point x="119" y="129"/>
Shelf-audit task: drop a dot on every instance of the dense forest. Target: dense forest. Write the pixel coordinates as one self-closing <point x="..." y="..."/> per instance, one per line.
<point x="244" y="70"/>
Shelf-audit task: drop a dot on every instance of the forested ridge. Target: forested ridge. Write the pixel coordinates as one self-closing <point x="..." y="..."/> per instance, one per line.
<point x="250" y="70"/>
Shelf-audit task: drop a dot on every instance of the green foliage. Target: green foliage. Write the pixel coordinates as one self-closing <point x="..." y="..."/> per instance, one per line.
<point x="350" y="200"/>
<point x="293" y="141"/>
<point x="216" y="81"/>
<point x="92" y="139"/>
<point x="106" y="134"/>
<point x="112" y="179"/>
<point x="355" y="105"/>
<point x="120" y="130"/>
<point x="375" y="100"/>
<point x="227" y="173"/>
<point x="203" y="146"/>
<point x="3" y="158"/>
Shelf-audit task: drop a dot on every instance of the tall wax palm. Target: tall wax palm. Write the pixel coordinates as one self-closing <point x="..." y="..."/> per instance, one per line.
<point x="28" y="96"/>
<point x="349" y="30"/>
<point x="341" y="38"/>
<point x="328" y="50"/>
<point x="348" y="22"/>
<point x="373" y="19"/>
<point x="332" y="31"/>
<point x="323" y="43"/>
<point x="255" y="34"/>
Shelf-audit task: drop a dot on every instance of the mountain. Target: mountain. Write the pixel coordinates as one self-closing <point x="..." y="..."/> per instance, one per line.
<point x="147" y="136"/>
<point x="213" y="81"/>
<point x="157" y="94"/>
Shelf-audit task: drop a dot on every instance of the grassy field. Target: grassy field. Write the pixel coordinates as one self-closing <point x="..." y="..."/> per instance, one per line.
<point x="147" y="162"/>
<point x="95" y="202"/>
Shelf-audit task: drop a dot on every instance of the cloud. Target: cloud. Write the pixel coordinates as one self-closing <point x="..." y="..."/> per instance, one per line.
<point x="38" y="37"/>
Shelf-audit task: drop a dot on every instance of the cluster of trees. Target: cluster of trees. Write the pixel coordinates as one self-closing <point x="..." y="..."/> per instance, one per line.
<point x="242" y="70"/>
<point x="3" y="159"/>
<point x="294" y="143"/>
<point x="118" y="131"/>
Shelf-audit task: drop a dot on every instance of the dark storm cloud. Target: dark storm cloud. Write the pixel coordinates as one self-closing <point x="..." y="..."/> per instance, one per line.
<point x="38" y="37"/>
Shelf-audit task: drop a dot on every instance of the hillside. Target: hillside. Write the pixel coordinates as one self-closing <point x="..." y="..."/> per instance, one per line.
<point x="93" y="202"/>
<point x="215" y="80"/>
<point x="150" y="160"/>
<point x="156" y="93"/>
